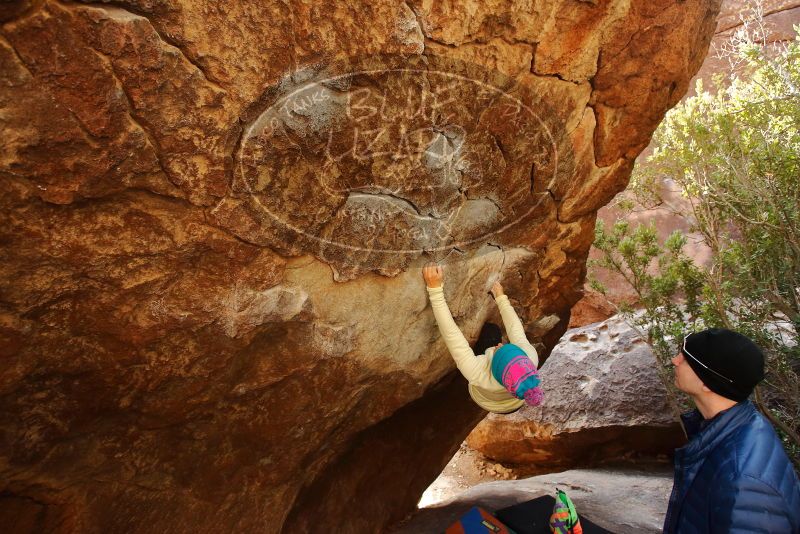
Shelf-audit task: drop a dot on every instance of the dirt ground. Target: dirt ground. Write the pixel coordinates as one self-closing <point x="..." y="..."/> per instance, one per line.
<point x="466" y="469"/>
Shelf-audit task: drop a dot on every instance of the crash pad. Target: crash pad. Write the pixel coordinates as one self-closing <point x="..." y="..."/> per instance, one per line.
<point x="478" y="521"/>
<point x="532" y="517"/>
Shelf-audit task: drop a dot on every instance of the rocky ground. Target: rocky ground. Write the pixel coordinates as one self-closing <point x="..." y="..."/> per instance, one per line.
<point x="623" y="500"/>
<point x="468" y="468"/>
<point x="472" y="479"/>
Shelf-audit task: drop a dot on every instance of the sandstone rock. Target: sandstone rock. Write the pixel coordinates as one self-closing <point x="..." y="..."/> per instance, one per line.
<point x="603" y="401"/>
<point x="622" y="501"/>
<point x="778" y="14"/>
<point x="207" y="320"/>
<point x="592" y="308"/>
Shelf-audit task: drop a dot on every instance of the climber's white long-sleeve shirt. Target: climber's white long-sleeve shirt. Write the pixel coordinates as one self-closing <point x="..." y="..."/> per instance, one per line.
<point x="483" y="388"/>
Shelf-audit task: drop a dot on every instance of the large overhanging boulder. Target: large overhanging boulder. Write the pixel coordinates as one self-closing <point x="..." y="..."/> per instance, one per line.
<point x="213" y="218"/>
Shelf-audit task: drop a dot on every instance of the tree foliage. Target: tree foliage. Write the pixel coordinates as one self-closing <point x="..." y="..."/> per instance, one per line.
<point x="734" y="156"/>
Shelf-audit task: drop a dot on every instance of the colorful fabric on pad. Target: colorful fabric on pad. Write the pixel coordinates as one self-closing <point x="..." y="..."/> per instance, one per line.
<point x="564" y="519"/>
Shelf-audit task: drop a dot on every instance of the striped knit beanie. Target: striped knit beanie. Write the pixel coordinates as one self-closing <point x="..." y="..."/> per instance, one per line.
<point x="512" y="367"/>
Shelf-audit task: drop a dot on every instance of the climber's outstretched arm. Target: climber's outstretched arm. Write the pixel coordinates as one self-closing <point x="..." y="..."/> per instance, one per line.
<point x="455" y="341"/>
<point x="514" y="329"/>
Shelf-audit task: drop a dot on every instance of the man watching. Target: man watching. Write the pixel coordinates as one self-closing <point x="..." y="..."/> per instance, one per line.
<point x="733" y="475"/>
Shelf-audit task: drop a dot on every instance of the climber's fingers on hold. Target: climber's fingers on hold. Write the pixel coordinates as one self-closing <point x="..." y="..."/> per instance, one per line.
<point x="433" y="274"/>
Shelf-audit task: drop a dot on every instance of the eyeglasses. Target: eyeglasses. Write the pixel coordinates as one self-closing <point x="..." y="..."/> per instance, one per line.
<point x="687" y="353"/>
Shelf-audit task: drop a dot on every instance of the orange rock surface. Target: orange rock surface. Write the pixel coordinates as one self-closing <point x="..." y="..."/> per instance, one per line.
<point x="211" y="312"/>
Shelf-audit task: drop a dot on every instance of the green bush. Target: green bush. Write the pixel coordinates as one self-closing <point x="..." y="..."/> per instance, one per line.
<point x="734" y="155"/>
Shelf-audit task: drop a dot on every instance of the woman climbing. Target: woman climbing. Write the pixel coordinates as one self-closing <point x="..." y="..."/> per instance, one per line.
<point x="504" y="377"/>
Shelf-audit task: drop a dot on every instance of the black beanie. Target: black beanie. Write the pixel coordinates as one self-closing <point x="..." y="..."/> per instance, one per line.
<point x="730" y="354"/>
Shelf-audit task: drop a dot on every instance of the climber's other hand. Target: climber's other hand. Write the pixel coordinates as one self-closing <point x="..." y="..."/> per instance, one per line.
<point x="497" y="290"/>
<point x="433" y="275"/>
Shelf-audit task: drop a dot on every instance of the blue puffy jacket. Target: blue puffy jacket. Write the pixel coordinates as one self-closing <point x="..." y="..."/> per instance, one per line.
<point x="733" y="476"/>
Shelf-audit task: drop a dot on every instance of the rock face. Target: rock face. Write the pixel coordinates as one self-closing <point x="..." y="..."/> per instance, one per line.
<point x="603" y="401"/>
<point x="779" y="17"/>
<point x="593" y="307"/>
<point x="622" y="501"/>
<point x="212" y="219"/>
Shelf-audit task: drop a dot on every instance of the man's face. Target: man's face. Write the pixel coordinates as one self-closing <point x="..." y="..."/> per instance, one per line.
<point x="686" y="379"/>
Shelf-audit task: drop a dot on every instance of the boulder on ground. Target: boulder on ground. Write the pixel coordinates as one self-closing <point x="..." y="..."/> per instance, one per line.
<point x="603" y="401"/>
<point x="593" y="307"/>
